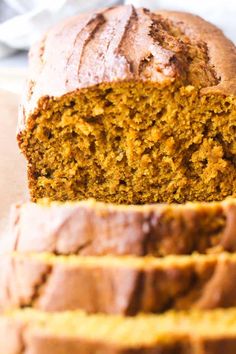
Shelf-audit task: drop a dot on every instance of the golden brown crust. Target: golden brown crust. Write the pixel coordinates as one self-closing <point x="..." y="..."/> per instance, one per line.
<point x="92" y="228"/>
<point x="221" y="51"/>
<point x="117" y="285"/>
<point x="50" y="345"/>
<point x="47" y="345"/>
<point x="124" y="43"/>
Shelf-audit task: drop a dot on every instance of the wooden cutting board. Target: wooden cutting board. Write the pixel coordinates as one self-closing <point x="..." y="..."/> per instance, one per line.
<point x="13" y="185"/>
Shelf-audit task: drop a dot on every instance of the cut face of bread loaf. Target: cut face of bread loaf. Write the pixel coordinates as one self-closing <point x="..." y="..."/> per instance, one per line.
<point x="75" y="332"/>
<point x="94" y="228"/>
<point x="123" y="285"/>
<point x="130" y="106"/>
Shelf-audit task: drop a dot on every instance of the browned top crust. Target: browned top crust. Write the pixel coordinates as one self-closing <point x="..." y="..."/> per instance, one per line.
<point x="93" y="228"/>
<point x="221" y="51"/>
<point x="124" y="43"/>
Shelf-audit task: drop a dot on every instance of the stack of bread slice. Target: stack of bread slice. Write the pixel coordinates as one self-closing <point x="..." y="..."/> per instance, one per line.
<point x="129" y="106"/>
<point x="94" y="277"/>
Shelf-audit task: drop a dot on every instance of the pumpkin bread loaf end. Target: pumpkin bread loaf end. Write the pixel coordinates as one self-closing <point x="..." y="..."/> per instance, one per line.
<point x="141" y="108"/>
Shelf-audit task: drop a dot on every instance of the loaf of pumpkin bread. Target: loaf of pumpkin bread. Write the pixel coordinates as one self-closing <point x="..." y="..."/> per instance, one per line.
<point x="124" y="285"/>
<point x="130" y="106"/>
<point x="75" y="332"/>
<point x="95" y="228"/>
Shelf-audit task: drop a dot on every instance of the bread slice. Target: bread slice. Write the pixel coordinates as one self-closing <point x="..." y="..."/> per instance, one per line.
<point x="77" y="333"/>
<point x="93" y="228"/>
<point x="130" y="106"/>
<point x="124" y="285"/>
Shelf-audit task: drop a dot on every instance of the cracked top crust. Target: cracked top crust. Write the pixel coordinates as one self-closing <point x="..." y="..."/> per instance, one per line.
<point x="124" y="43"/>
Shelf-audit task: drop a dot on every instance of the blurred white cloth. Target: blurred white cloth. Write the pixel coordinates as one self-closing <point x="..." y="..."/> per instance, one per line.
<point x="220" y="12"/>
<point x="22" y="22"/>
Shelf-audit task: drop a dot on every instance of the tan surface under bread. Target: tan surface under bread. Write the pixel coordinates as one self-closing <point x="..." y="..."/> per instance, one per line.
<point x="35" y="332"/>
<point x="93" y="228"/>
<point x="125" y="285"/>
<point x="12" y="165"/>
